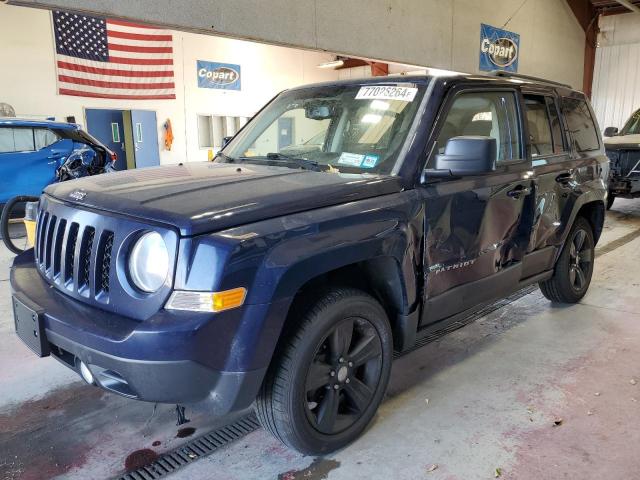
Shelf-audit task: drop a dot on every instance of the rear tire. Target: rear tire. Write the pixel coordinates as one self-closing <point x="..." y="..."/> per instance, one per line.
<point x="574" y="268"/>
<point x="329" y="375"/>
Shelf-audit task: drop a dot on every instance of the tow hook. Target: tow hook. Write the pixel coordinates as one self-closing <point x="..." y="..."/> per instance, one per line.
<point x="182" y="418"/>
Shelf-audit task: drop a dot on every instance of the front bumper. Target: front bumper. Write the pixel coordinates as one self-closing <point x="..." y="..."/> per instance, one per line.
<point x="172" y="357"/>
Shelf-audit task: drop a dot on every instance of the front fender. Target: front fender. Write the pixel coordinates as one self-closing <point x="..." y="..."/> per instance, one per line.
<point x="274" y="258"/>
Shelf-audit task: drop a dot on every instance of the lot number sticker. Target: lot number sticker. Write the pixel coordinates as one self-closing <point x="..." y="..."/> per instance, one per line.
<point x="385" y="92"/>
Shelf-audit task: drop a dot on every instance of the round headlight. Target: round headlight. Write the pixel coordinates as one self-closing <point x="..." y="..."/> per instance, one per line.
<point x="149" y="262"/>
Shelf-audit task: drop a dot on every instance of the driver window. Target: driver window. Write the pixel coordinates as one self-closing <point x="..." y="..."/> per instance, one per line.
<point x="485" y="114"/>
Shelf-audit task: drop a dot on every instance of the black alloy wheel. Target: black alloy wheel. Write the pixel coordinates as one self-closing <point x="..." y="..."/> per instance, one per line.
<point x="342" y="378"/>
<point x="580" y="260"/>
<point x="329" y="373"/>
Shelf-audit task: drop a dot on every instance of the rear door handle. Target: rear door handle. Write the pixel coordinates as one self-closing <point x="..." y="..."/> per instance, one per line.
<point x="519" y="191"/>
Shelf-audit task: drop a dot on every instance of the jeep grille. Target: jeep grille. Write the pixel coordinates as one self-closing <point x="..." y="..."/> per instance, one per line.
<point x="70" y="256"/>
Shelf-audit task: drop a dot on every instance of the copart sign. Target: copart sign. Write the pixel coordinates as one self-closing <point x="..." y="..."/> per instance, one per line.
<point x="499" y="49"/>
<point x="225" y="76"/>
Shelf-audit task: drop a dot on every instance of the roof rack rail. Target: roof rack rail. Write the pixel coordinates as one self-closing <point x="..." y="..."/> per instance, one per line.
<point x="502" y="73"/>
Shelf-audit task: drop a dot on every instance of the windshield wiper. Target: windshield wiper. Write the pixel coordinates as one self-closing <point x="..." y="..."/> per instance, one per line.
<point x="225" y="157"/>
<point x="281" y="158"/>
<point x="302" y="162"/>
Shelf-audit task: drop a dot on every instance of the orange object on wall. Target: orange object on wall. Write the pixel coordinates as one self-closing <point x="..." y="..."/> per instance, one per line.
<point x="168" y="135"/>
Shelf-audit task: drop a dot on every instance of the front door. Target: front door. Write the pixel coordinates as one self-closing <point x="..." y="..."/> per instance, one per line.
<point x="107" y="126"/>
<point x="145" y="138"/>
<point x="476" y="228"/>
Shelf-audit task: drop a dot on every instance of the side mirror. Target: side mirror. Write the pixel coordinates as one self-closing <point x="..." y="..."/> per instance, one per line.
<point x="469" y="155"/>
<point x="610" y="131"/>
<point x="226" y="140"/>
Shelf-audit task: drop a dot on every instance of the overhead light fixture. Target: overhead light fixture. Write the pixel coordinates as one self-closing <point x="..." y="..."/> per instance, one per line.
<point x="371" y="118"/>
<point x="379" y="105"/>
<point x="333" y="64"/>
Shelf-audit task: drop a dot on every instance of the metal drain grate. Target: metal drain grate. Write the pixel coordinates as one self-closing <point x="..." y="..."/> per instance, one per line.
<point x="194" y="450"/>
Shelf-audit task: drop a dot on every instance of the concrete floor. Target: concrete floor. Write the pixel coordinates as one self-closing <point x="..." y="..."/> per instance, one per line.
<point x="530" y="391"/>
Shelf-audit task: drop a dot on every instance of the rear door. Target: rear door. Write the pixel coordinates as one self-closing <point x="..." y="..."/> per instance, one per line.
<point x="553" y="176"/>
<point x="564" y="175"/>
<point x="475" y="231"/>
<point x="28" y="160"/>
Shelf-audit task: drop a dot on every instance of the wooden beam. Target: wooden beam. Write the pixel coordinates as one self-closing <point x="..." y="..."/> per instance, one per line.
<point x="379" y="69"/>
<point x="587" y="16"/>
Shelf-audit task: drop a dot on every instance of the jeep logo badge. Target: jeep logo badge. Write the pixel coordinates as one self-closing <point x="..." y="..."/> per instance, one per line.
<point x="78" y="195"/>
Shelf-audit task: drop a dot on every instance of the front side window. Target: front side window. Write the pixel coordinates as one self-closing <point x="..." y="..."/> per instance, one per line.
<point x="351" y="128"/>
<point x="580" y="124"/>
<point x="539" y="126"/>
<point x="486" y="114"/>
<point x="16" y="140"/>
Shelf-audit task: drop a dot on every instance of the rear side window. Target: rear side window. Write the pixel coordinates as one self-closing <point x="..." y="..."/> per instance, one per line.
<point x="16" y="140"/>
<point x="581" y="125"/>
<point x="488" y="114"/>
<point x="539" y="126"/>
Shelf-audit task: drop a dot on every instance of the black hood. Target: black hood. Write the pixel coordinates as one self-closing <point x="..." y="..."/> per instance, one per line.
<point x="204" y="197"/>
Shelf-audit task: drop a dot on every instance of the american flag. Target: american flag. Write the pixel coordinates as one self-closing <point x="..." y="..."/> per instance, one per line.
<point x="105" y="58"/>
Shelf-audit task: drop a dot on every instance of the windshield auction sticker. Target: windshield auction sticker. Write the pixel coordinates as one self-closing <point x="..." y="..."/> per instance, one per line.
<point x="387" y="92"/>
<point x="351" y="159"/>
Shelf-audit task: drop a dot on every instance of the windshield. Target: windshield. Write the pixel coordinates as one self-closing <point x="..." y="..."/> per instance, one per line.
<point x="353" y="129"/>
<point x="632" y="127"/>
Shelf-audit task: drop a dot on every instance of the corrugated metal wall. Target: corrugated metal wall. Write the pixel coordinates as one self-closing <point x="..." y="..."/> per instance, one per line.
<point x="616" y="84"/>
<point x="616" y="81"/>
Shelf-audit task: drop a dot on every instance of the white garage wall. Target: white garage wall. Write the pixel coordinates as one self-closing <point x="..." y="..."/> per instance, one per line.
<point x="616" y="81"/>
<point x="28" y="78"/>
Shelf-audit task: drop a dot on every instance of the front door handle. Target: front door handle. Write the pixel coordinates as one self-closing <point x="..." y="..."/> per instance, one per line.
<point x="518" y="192"/>
<point x="565" y="177"/>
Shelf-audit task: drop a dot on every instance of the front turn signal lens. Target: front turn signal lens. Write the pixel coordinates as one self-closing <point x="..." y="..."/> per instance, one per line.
<point x="228" y="299"/>
<point x="206" y="301"/>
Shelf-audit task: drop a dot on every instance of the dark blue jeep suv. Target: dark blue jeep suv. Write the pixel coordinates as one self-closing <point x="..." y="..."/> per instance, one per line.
<point x="288" y="279"/>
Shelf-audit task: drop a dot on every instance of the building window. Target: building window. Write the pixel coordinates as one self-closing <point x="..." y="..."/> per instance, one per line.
<point x="205" y="134"/>
<point x="213" y="128"/>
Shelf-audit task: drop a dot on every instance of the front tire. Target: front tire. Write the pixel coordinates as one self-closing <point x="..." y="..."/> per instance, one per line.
<point x="329" y="375"/>
<point x="574" y="268"/>
<point x="610" y="199"/>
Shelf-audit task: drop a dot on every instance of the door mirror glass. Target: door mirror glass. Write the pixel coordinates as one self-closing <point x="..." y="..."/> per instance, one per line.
<point x="468" y="155"/>
<point x="610" y="131"/>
